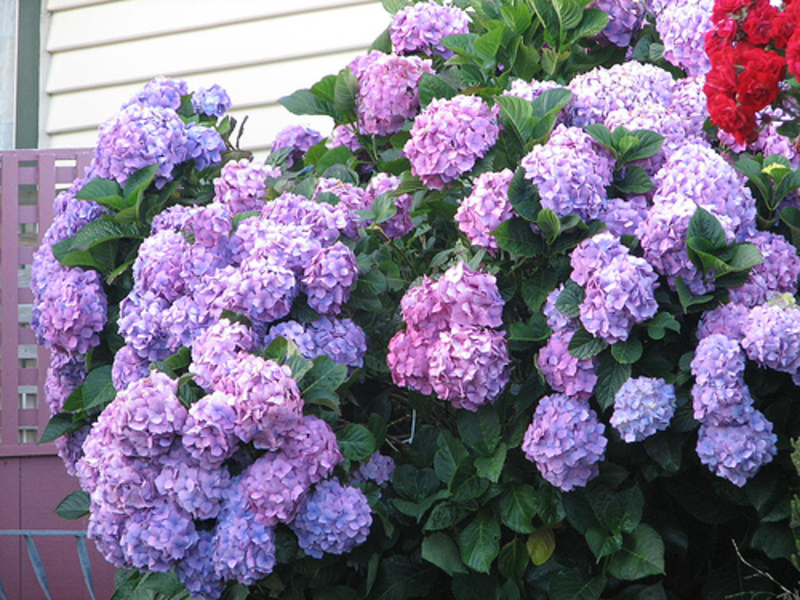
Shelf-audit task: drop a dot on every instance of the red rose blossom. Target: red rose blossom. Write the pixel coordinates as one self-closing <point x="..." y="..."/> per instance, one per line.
<point x="734" y="119"/>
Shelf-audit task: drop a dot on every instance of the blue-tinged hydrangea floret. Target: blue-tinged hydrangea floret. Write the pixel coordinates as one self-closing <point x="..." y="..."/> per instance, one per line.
<point x="469" y="366"/>
<point x="161" y="91"/>
<point x="726" y="319"/>
<point x="205" y="145"/>
<point x="555" y="318"/>
<point x="682" y="25"/>
<point x="624" y="217"/>
<point x="70" y="311"/>
<point x="563" y="372"/>
<point x="351" y="198"/>
<point x="159" y="264"/>
<point x="530" y="90"/>
<point x="486" y="208"/>
<point x="643" y="406"/>
<point x="291" y="246"/>
<point x="593" y="254"/>
<point x="156" y="538"/>
<point x="71" y="214"/>
<point x="215" y="348"/>
<point x="421" y="27"/>
<point x="470" y="297"/>
<point x="340" y="339"/>
<point x="772" y="335"/>
<point x="422" y="307"/>
<point x="333" y="519"/>
<point x="329" y="278"/>
<point x="212" y="101"/>
<point x="105" y="528"/>
<point x="298" y="139"/>
<point x="273" y="487"/>
<point x="624" y="20"/>
<point x="737" y="452"/>
<point x="776" y="275"/>
<point x="312" y="445"/>
<point x="184" y="321"/>
<point x="65" y="374"/>
<point x="618" y="296"/>
<point x="718" y="360"/>
<point x="690" y="104"/>
<point x="449" y="136"/>
<point x="627" y="85"/>
<point x="140" y="324"/>
<point x="244" y="548"/>
<point x="324" y="221"/>
<point x="695" y="172"/>
<point x="565" y="441"/>
<point x="196" y="571"/>
<point x="715" y="404"/>
<point x="173" y="219"/>
<point x="242" y="184"/>
<point x="378" y="468"/>
<point x="400" y="224"/>
<point x="209" y="431"/>
<point x="260" y="290"/>
<point x="128" y="367"/>
<point x="192" y="485"/>
<point x="70" y="449"/>
<point x="388" y="92"/>
<point x="571" y="172"/>
<point x="137" y="137"/>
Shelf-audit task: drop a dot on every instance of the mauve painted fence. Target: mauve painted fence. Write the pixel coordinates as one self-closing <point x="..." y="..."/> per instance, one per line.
<point x="32" y="479"/>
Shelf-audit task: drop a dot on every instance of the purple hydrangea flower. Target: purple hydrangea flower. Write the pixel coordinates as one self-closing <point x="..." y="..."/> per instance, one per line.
<point x="299" y="139"/>
<point x="140" y="324"/>
<point x="273" y="487"/>
<point x="681" y="26"/>
<point x="469" y="366"/>
<point x="70" y="313"/>
<point x="716" y="404"/>
<point x="343" y="135"/>
<point x="772" y="335"/>
<point x="340" y="339"/>
<point x="408" y="360"/>
<point x="378" y="468"/>
<point x="624" y="217"/>
<point x="618" y="296"/>
<point x="212" y="101"/>
<point x="205" y="145"/>
<point x="530" y="90"/>
<point x="312" y="445"/>
<point x="471" y="297"/>
<point x="486" y="208"/>
<point x="70" y="449"/>
<point x="161" y="91"/>
<point x="555" y="319"/>
<point x="423" y="309"/>
<point x="71" y="214"/>
<point x="244" y="548"/>
<point x="290" y="246"/>
<point x="737" y="452"/>
<point x="139" y="136"/>
<point x="421" y="27"/>
<point x="192" y="485"/>
<point x="173" y="219"/>
<point x="242" y="184"/>
<point x="643" y="406"/>
<point x="128" y="367"/>
<point x="690" y="104"/>
<point x="563" y="372"/>
<point x="324" y="222"/>
<point x="604" y="89"/>
<point x="64" y="375"/>
<point x="351" y="198"/>
<point x="155" y="538"/>
<point x="159" y="264"/>
<point x="571" y="172"/>
<point x="449" y="136"/>
<point x="400" y="224"/>
<point x="565" y="441"/>
<point x="333" y="519"/>
<point x="387" y="91"/>
<point x="776" y="275"/>
<point x="215" y="348"/>
<point x="593" y="254"/>
<point x="726" y="319"/>
<point x="196" y="571"/>
<point x="209" y="431"/>
<point x="718" y="360"/>
<point x="329" y="278"/>
<point x="624" y="19"/>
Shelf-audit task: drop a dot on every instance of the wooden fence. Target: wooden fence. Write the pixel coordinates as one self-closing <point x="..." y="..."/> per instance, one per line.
<point x="32" y="479"/>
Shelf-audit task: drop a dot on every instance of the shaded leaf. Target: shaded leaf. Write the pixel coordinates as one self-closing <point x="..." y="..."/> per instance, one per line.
<point x="74" y="506"/>
<point x="440" y="550"/>
<point x="479" y="543"/>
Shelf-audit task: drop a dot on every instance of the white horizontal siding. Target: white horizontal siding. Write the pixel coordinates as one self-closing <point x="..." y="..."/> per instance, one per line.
<point x="260" y="50"/>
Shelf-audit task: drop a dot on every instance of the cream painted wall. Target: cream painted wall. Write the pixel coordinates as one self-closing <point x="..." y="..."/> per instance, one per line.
<point x="100" y="52"/>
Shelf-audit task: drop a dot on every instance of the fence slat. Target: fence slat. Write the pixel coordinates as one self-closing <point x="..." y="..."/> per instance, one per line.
<point x="38" y="566"/>
<point x="86" y="565"/>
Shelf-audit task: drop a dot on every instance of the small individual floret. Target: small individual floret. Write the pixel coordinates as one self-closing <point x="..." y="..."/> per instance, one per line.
<point x="563" y="372"/>
<point x="486" y="208"/>
<point x="469" y="366"/>
<point x="449" y="136"/>
<point x="298" y="140"/>
<point x="212" y="101"/>
<point x="329" y="278"/>
<point x="565" y="441"/>
<point x="772" y="335"/>
<point x="737" y="452"/>
<point x="571" y="172"/>
<point x="333" y="519"/>
<point x="388" y="91"/>
<point x="421" y="27"/>
<point x="378" y="468"/>
<point x="643" y="406"/>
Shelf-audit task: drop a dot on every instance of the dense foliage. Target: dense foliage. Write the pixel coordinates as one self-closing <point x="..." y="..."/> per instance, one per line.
<point x="522" y="326"/>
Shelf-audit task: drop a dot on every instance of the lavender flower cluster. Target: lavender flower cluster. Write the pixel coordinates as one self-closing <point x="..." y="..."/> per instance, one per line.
<point x="450" y="345"/>
<point x="420" y="28"/>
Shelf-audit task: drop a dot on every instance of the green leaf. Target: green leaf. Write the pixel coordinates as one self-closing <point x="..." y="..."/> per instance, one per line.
<point x="687" y="298"/>
<point x="58" y="425"/>
<point x="444" y="516"/>
<point x="99" y="189"/>
<point x="344" y="94"/>
<point x="706" y="226"/>
<point x="517" y="17"/>
<point x="462" y="44"/>
<point x="549" y="224"/>
<point x="74" y="506"/>
<point x="610" y="377"/>
<point x="602" y="135"/>
<point x="775" y="540"/>
<point x="648" y="144"/>
<point x="487" y="45"/>
<point x="517" y="114"/>
<point x="602" y="543"/>
<point x="95" y="233"/>
<point x="570" y="13"/>
<point x="356" y="442"/>
<point x="450" y="455"/>
<point x="518" y="508"/>
<point x="479" y="543"/>
<point x="573" y="584"/>
<point x="628" y="351"/>
<point x="492" y="467"/>
<point x="98" y="389"/>
<point x="636" y="181"/>
<point x="440" y="550"/>
<point x="303" y="102"/>
<point x="791" y="217"/>
<point x="137" y="183"/>
<point x="584" y="345"/>
<point x="657" y="325"/>
<point x="752" y="170"/>
<point x="516" y="237"/>
<point x="524" y="196"/>
<point x="540" y="545"/>
<point x="480" y="430"/>
<point x="537" y="287"/>
<point x="414" y="484"/>
<point x="642" y="555"/>
<point x="466" y="485"/>
<point x="593" y="22"/>
<point x="430" y="86"/>
<point x="400" y="578"/>
<point x="551" y="102"/>
<point x="570" y="299"/>
<point x="522" y="335"/>
<point x="513" y="560"/>
<point x="320" y="383"/>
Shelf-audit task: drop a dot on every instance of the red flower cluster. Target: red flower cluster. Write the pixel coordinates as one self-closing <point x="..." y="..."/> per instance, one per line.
<point x="750" y="46"/>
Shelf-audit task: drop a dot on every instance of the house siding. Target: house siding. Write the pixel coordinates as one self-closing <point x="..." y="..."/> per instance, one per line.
<point x="100" y="53"/>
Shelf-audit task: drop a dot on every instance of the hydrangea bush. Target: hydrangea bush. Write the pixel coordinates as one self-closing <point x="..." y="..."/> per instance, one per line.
<point x="522" y="325"/>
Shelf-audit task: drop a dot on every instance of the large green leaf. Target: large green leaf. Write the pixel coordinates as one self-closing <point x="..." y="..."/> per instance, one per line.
<point x="570" y="299"/>
<point x="430" y="86"/>
<point x="611" y="374"/>
<point x="513" y="560"/>
<point x="440" y="550"/>
<point x="95" y="233"/>
<point x="58" y="425"/>
<point x="303" y="102"/>
<point x="479" y="543"/>
<point x="540" y="545"/>
<point x="98" y="389"/>
<point x="450" y="455"/>
<point x="642" y="555"/>
<point x="74" y="506"/>
<point x="583" y="345"/>
<point x="356" y="442"/>
<point x="480" y="430"/>
<point x="400" y="578"/>
<point x="516" y="236"/>
<point x="573" y="584"/>
<point x="518" y="508"/>
<point x="524" y="196"/>
<point x="137" y="183"/>
<point x="320" y="383"/>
